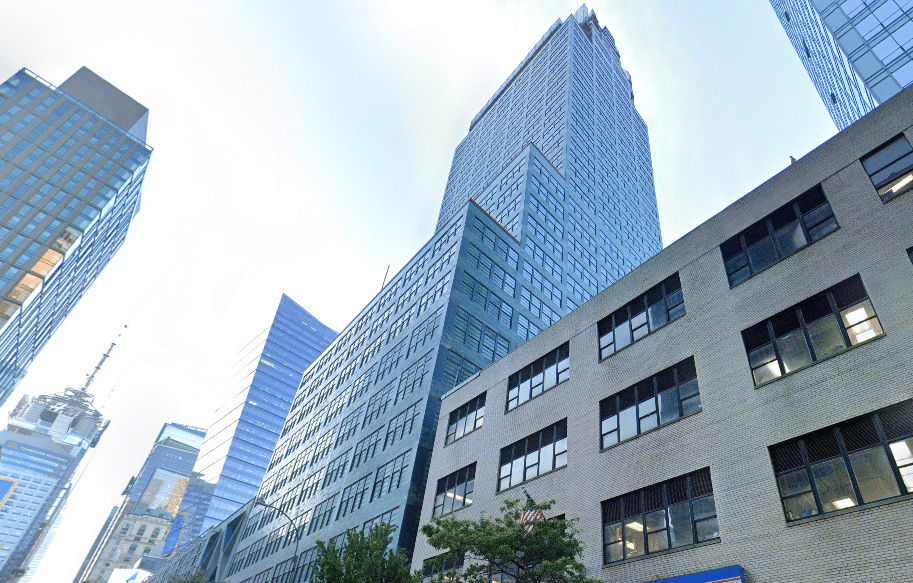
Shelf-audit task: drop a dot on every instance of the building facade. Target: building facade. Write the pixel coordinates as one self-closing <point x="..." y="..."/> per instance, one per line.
<point x="141" y="524"/>
<point x="527" y="238"/>
<point x="239" y="444"/>
<point x="72" y="162"/>
<point x="857" y="53"/>
<point x="40" y="451"/>
<point x="738" y="407"/>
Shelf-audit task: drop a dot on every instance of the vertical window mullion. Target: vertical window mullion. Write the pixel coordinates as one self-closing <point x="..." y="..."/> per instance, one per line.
<point x="887" y="448"/>
<point x="773" y="341"/>
<point x="745" y="251"/>
<point x="849" y="467"/>
<point x="843" y="333"/>
<point x="802" y="226"/>
<point x="808" y="339"/>
<point x="811" y="478"/>
<point x="773" y="239"/>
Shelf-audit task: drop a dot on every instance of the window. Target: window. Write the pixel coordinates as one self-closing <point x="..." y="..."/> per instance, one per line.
<point x="465" y="419"/>
<point x="444" y="564"/>
<point x="353" y="496"/>
<point x="778" y="235"/>
<point x="890" y="168"/>
<point x="543" y="374"/>
<point x="862" y="460"/>
<point x="455" y="491"/>
<point x="389" y="476"/>
<point x="402" y="425"/>
<point x="675" y="513"/>
<point x="660" y="305"/>
<point x="323" y="514"/>
<point x="655" y="401"/>
<point x="823" y="325"/>
<point x="366" y="448"/>
<point x="541" y="452"/>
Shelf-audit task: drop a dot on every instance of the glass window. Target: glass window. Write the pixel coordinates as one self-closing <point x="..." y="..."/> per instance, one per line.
<point x="890" y="168"/>
<point x="466" y="419"/>
<point x="823" y="325"/>
<point x="455" y="491"/>
<point x="675" y="513"/>
<point x="532" y="456"/>
<point x="862" y="460"/>
<point x="539" y="376"/>
<point x="658" y="400"/>
<point x="791" y="227"/>
<point x="661" y="304"/>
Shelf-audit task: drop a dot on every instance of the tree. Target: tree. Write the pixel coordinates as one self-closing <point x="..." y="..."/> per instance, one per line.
<point x="363" y="559"/>
<point x="501" y="545"/>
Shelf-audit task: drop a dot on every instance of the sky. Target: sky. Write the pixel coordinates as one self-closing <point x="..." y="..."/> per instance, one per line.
<point x="303" y="147"/>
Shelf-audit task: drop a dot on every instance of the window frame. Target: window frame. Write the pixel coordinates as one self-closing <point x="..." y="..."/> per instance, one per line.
<point x="669" y="290"/>
<point x="763" y="336"/>
<point x="451" y="484"/>
<point x="679" y="376"/>
<point x="849" y="441"/>
<point x="902" y="178"/>
<point x="740" y="246"/>
<point x="560" y="358"/>
<point x="555" y="448"/>
<point x="457" y="426"/>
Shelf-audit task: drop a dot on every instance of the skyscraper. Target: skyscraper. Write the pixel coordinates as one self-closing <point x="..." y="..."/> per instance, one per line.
<point x="550" y="199"/>
<point x="240" y="442"/>
<point x="72" y="161"/>
<point x="40" y="450"/>
<point x="152" y="499"/>
<point x="857" y="53"/>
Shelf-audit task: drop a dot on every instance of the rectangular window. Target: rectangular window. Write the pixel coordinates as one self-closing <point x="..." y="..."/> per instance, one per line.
<point x="455" y="491"/>
<point x="863" y="460"/>
<point x="336" y="468"/>
<point x="384" y="518"/>
<point x="353" y="496"/>
<point x="538" y="377"/>
<point x="675" y="513"/>
<point x="791" y="227"/>
<point x="366" y="448"/>
<point x="660" y="399"/>
<point x="541" y="452"/>
<point x="660" y="305"/>
<point x="823" y="325"/>
<point x="323" y="514"/>
<point x="402" y="425"/>
<point x="389" y="476"/>
<point x="465" y="419"/>
<point x="442" y="565"/>
<point x="890" y="168"/>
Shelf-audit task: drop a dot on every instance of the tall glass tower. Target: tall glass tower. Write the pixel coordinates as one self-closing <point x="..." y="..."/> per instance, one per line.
<point x="549" y="200"/>
<point x="239" y="444"/>
<point x="72" y="161"/>
<point x="858" y="53"/>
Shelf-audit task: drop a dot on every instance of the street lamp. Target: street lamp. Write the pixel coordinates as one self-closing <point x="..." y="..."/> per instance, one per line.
<point x="259" y="501"/>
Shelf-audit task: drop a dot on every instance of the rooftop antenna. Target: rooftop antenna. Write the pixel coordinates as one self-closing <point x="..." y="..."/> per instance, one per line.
<point x="91" y="378"/>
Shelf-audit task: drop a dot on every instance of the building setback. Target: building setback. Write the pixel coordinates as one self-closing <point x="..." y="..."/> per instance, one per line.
<point x="550" y="199"/>
<point x="72" y="162"/>
<point x="240" y="442"/>
<point x="141" y="524"/>
<point x="738" y="407"/>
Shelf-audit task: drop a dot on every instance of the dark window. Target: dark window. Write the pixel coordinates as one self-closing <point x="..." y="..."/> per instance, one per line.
<point x="466" y="419"/>
<point x="910" y="253"/>
<point x="791" y="227"/>
<point x="537" y="454"/>
<point x="823" y="325"/>
<point x="543" y="374"/>
<point x="455" y="491"/>
<point x="655" y="401"/>
<point x="865" y="459"/>
<point x="891" y="168"/>
<point x="660" y="305"/>
<point x="445" y="564"/>
<point x="668" y="515"/>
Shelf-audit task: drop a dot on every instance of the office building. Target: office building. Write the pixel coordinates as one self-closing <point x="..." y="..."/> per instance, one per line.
<point x="737" y="408"/>
<point x="72" y="161"/>
<point x="240" y="442"/>
<point x="40" y="450"/>
<point x="542" y="210"/>
<point x="141" y="524"/>
<point x="857" y="53"/>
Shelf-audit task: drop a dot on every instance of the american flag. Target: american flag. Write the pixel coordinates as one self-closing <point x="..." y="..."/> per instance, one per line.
<point x="530" y="516"/>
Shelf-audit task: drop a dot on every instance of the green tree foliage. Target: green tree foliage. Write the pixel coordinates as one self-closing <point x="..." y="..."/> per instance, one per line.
<point x="493" y="545"/>
<point x="364" y="559"/>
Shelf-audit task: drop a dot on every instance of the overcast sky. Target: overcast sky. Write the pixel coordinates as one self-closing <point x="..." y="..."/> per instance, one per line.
<point x="303" y="147"/>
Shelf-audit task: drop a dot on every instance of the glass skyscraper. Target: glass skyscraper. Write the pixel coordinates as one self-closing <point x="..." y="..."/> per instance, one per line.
<point x="239" y="444"/>
<point x="152" y="498"/>
<point x="45" y="440"/>
<point x="549" y="200"/>
<point x="72" y="161"/>
<point x="858" y="53"/>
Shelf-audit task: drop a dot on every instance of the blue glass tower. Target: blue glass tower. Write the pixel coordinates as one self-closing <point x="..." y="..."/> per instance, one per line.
<point x="239" y="444"/>
<point x="72" y="162"/>
<point x="550" y="199"/>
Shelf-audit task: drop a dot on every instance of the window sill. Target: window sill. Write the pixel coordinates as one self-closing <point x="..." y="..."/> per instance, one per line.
<point x="777" y="262"/>
<point x="798" y="370"/>
<point x="649" y="431"/>
<point x="632" y="343"/>
<point x="506" y="411"/>
<point x="660" y="553"/>
<point x="868" y="506"/>
<point x="548" y="473"/>
<point x="451" y="513"/>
